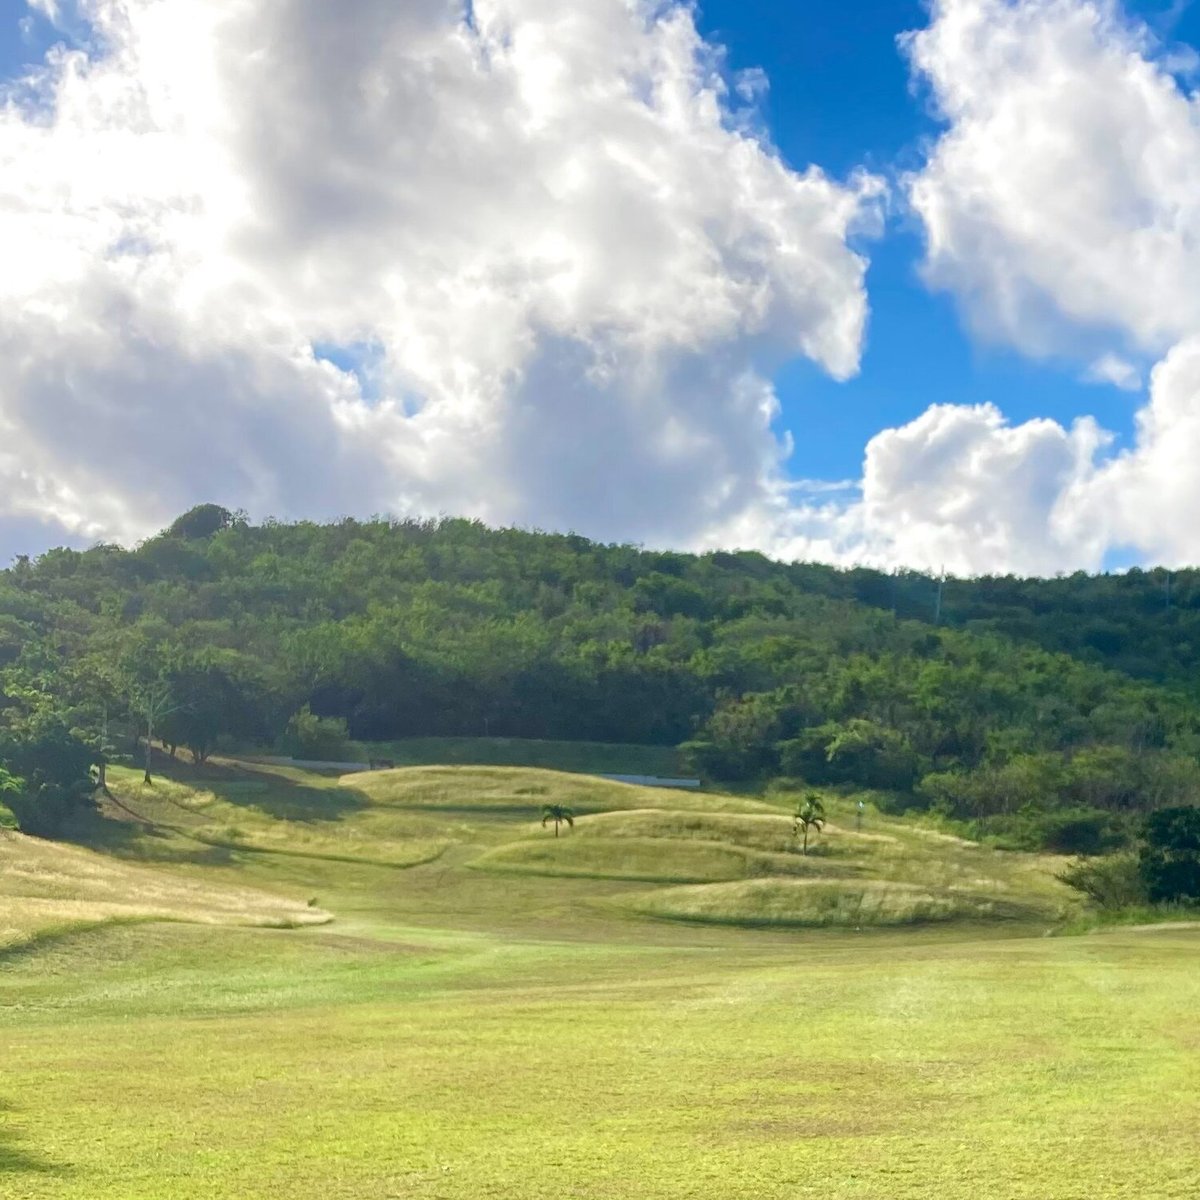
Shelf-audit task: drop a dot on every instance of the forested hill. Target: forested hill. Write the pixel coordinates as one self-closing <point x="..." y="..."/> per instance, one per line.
<point x="1070" y="694"/>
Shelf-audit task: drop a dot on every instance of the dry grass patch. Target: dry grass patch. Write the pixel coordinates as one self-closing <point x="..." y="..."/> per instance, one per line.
<point x="822" y="903"/>
<point x="46" y="887"/>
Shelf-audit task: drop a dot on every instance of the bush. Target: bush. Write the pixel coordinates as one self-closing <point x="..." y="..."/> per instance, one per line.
<point x="1169" y="863"/>
<point x="1082" y="831"/>
<point x="1110" y="883"/>
<point x="856" y="752"/>
<point x="49" y="782"/>
<point x="308" y="736"/>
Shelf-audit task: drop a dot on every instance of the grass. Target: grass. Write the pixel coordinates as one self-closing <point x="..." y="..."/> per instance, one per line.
<point x="48" y="889"/>
<point x="825" y="903"/>
<point x="460" y="1033"/>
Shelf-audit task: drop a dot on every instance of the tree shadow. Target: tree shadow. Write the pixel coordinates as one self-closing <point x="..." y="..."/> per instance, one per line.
<point x="268" y="792"/>
<point x="133" y="837"/>
<point x="14" y="1160"/>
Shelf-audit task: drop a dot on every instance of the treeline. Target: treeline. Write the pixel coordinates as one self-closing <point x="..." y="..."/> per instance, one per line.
<point x="1017" y="710"/>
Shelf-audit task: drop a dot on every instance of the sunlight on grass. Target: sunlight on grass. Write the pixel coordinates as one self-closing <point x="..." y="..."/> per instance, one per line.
<point x="870" y="1021"/>
<point x="46" y="887"/>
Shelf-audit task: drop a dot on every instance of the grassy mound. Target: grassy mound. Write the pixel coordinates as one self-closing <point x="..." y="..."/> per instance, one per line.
<point x="272" y="812"/>
<point x="521" y="792"/>
<point x="805" y="903"/>
<point x="46" y="888"/>
<point x="764" y="831"/>
<point x="644" y="859"/>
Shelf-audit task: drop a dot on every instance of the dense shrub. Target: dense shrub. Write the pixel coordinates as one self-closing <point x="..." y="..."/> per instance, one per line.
<point x="1110" y="883"/>
<point x="1169" y="862"/>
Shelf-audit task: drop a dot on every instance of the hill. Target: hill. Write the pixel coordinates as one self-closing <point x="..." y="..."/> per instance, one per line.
<point x="1016" y="712"/>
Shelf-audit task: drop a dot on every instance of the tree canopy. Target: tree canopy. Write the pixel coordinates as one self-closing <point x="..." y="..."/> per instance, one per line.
<point x="1075" y="696"/>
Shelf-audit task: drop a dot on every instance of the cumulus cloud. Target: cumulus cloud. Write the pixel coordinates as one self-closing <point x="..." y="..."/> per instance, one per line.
<point x="573" y="263"/>
<point x="1062" y="205"/>
<point x="1062" y="209"/>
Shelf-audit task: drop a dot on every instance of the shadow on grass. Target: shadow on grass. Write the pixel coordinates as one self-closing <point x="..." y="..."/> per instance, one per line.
<point x="262" y="790"/>
<point x="138" y="839"/>
<point x="16" y="1161"/>
<point x="274" y="795"/>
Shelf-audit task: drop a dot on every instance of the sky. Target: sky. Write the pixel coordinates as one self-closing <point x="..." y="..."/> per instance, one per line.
<point x="897" y="283"/>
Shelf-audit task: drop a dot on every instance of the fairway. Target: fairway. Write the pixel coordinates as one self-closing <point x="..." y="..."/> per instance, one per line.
<point x="511" y="1017"/>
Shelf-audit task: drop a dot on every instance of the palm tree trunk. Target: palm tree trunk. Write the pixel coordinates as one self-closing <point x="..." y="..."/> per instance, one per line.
<point x="805" y="839"/>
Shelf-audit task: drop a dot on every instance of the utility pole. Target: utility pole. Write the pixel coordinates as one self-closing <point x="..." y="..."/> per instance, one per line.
<point x="937" y="608"/>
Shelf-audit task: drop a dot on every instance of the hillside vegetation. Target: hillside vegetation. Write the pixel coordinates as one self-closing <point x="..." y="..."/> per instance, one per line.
<point x="1044" y="713"/>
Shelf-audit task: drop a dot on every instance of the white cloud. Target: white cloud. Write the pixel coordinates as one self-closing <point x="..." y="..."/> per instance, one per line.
<point x="575" y="267"/>
<point x="1149" y="497"/>
<point x="1062" y="205"/>
<point x="1062" y="209"/>
<point x="1115" y="370"/>
<point x="961" y="488"/>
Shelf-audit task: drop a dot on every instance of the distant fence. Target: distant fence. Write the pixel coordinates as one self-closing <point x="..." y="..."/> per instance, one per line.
<point x="653" y="781"/>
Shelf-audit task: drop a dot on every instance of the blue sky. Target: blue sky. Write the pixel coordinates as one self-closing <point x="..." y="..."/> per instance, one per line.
<point x="841" y="97"/>
<point x="390" y="306"/>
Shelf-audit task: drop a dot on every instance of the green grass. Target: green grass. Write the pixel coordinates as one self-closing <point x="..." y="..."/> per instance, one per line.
<point x="523" y="1031"/>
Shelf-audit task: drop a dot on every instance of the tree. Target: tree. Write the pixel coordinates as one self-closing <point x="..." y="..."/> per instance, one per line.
<point x="558" y="814"/>
<point x="153" y="702"/>
<point x="9" y="785"/>
<point x="809" y="815"/>
<point x="201" y="522"/>
<point x="54" y="772"/>
<point x="1169" y="861"/>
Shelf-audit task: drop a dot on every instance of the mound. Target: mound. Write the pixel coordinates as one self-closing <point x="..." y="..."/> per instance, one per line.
<point x="771" y="832"/>
<point x="520" y="791"/>
<point x="823" y="904"/>
<point x="649" y="860"/>
<point x="46" y="887"/>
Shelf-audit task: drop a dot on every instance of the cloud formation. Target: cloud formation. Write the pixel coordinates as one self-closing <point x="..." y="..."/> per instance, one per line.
<point x="565" y="261"/>
<point x="1062" y="209"/>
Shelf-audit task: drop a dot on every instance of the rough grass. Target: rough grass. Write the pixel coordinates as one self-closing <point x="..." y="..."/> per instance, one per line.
<point x="823" y="903"/>
<point x="46" y="888"/>
<point x="627" y="858"/>
<point x="269" y="810"/>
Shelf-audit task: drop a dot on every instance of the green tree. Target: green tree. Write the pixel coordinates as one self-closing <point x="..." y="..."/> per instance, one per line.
<point x="201" y="522"/>
<point x="1169" y="860"/>
<point x="809" y="815"/>
<point x="9" y="785"/>
<point x="559" y="815"/>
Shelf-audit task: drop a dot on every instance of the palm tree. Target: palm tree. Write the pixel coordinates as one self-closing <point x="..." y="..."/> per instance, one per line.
<point x="558" y="814"/>
<point x="810" y="814"/>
